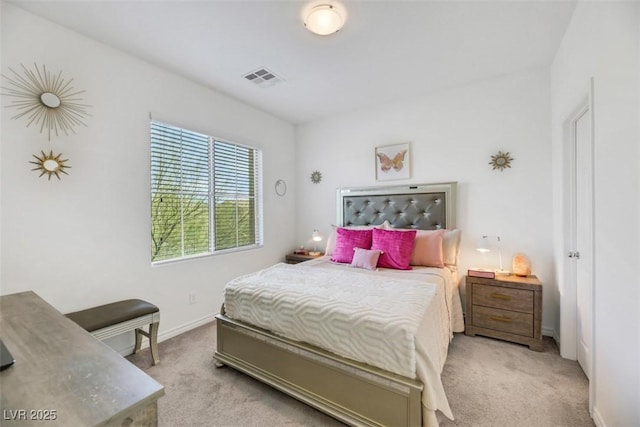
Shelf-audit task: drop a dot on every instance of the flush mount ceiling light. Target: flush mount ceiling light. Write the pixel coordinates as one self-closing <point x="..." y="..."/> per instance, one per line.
<point x="324" y="19"/>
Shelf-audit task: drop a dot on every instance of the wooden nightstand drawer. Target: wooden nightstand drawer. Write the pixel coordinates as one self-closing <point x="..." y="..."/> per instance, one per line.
<point x="504" y="298"/>
<point x="512" y="322"/>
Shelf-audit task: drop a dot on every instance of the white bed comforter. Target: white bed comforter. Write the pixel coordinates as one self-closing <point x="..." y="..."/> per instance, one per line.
<point x="400" y="321"/>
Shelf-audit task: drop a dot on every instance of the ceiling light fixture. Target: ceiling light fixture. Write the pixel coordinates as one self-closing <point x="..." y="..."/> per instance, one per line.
<point x="324" y="19"/>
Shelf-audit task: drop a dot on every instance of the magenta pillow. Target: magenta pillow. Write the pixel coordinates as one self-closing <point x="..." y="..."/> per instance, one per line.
<point x="365" y="258"/>
<point x="396" y="247"/>
<point x="331" y="240"/>
<point x="347" y="240"/>
<point x="427" y="249"/>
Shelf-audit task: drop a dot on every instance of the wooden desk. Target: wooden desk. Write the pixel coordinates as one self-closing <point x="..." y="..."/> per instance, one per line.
<point x="63" y="376"/>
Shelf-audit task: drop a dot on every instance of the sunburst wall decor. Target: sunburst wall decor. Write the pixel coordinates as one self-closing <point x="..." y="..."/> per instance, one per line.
<point x="46" y="99"/>
<point x="50" y="164"/>
<point x="316" y="177"/>
<point x="501" y="161"/>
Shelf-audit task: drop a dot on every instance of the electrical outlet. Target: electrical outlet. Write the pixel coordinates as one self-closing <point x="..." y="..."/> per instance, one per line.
<point x="192" y="297"/>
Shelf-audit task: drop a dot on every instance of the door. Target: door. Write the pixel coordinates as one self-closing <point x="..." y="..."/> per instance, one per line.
<point x="583" y="193"/>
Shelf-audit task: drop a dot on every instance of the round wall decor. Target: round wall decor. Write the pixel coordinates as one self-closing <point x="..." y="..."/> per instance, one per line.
<point x="50" y="164"/>
<point x="281" y="187"/>
<point x="316" y="177"/>
<point x="501" y="161"/>
<point x="46" y="100"/>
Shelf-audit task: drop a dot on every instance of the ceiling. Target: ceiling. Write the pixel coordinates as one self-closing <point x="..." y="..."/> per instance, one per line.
<point x="387" y="50"/>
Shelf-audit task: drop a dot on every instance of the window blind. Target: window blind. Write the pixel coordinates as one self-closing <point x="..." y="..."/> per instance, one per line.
<point x="205" y="194"/>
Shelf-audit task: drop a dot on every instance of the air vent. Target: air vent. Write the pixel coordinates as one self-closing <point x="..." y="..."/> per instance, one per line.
<point x="263" y="77"/>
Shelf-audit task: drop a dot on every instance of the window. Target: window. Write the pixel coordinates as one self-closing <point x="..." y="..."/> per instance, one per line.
<point x="205" y="194"/>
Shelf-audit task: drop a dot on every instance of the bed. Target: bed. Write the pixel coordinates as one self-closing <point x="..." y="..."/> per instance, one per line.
<point x="364" y="345"/>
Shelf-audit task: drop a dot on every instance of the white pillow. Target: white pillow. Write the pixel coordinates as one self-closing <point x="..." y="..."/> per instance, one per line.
<point x="451" y="246"/>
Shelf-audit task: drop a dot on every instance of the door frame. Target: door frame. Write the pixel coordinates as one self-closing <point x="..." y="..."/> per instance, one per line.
<point x="568" y="292"/>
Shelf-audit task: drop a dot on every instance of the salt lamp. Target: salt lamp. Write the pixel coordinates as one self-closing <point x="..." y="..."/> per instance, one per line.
<point x="521" y="265"/>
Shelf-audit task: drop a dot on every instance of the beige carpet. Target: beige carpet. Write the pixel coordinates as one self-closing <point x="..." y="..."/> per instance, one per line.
<point x="488" y="382"/>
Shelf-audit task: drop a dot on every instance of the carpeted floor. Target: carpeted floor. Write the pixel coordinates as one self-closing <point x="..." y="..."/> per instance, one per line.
<point x="488" y="383"/>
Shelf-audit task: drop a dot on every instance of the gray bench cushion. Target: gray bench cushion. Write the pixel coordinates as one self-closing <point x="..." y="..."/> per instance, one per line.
<point x="106" y="315"/>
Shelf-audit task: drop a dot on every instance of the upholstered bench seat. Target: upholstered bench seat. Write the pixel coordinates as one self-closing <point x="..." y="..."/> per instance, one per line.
<point x="113" y="319"/>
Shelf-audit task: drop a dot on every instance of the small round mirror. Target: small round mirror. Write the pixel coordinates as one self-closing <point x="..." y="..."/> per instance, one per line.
<point x="51" y="165"/>
<point x="281" y="187"/>
<point x="501" y="161"/>
<point x="50" y="100"/>
<point x="316" y="177"/>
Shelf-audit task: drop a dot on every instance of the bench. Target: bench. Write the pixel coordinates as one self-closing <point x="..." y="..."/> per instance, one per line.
<point x="109" y="320"/>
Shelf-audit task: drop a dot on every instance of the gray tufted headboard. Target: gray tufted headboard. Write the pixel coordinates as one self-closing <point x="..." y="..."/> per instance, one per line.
<point x="421" y="206"/>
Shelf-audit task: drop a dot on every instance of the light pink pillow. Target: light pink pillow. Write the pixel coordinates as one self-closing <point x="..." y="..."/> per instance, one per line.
<point x="365" y="258"/>
<point x="427" y="248"/>
<point x="347" y="240"/>
<point x="396" y="247"/>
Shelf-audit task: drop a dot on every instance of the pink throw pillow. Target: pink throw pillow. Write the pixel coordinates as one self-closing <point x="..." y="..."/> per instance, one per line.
<point x="427" y="249"/>
<point x="347" y="240"/>
<point x="396" y="247"/>
<point x="331" y="240"/>
<point x="365" y="258"/>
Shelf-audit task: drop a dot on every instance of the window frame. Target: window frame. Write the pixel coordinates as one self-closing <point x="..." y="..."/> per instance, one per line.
<point x="258" y="197"/>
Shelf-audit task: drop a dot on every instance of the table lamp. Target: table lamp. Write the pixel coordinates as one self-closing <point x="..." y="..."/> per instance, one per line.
<point x="316" y="237"/>
<point x="485" y="245"/>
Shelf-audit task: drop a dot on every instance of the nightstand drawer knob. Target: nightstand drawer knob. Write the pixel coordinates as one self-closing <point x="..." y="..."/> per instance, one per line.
<point x="503" y="297"/>
<point x="505" y="319"/>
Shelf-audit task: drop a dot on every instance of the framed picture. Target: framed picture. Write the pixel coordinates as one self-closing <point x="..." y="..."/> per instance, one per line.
<point x="393" y="162"/>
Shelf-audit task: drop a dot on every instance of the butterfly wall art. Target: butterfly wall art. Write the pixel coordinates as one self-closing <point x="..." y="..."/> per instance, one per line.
<point x="392" y="162"/>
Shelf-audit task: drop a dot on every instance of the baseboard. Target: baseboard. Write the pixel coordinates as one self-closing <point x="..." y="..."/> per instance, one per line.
<point x="184" y="328"/>
<point x="597" y="418"/>
<point x="165" y="335"/>
<point x="549" y="332"/>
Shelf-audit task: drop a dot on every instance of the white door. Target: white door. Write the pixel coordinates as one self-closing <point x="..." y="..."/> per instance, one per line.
<point x="583" y="232"/>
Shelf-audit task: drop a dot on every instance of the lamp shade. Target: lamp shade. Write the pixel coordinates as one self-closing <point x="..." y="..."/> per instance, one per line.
<point x="316" y="237"/>
<point x="483" y="244"/>
<point x="324" y="19"/>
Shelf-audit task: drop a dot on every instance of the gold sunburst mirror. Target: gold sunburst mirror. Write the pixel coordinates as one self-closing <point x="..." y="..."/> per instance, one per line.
<point x="501" y="161"/>
<point x="316" y="177"/>
<point x="45" y="99"/>
<point x="50" y="164"/>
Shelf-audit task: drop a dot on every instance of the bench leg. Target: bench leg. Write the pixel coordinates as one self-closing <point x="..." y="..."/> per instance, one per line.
<point x="138" y="340"/>
<point x="153" y="341"/>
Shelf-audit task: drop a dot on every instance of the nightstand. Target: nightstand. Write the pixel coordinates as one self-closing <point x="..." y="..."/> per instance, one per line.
<point x="296" y="258"/>
<point x="507" y="307"/>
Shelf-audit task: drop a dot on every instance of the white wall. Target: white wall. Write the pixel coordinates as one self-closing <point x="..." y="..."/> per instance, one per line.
<point x="85" y="240"/>
<point x="602" y="41"/>
<point x="452" y="135"/>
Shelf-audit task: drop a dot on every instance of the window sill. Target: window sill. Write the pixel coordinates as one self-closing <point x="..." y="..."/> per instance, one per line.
<point x="204" y="255"/>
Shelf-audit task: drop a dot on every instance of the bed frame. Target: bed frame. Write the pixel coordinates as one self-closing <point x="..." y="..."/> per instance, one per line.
<point x="352" y="392"/>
